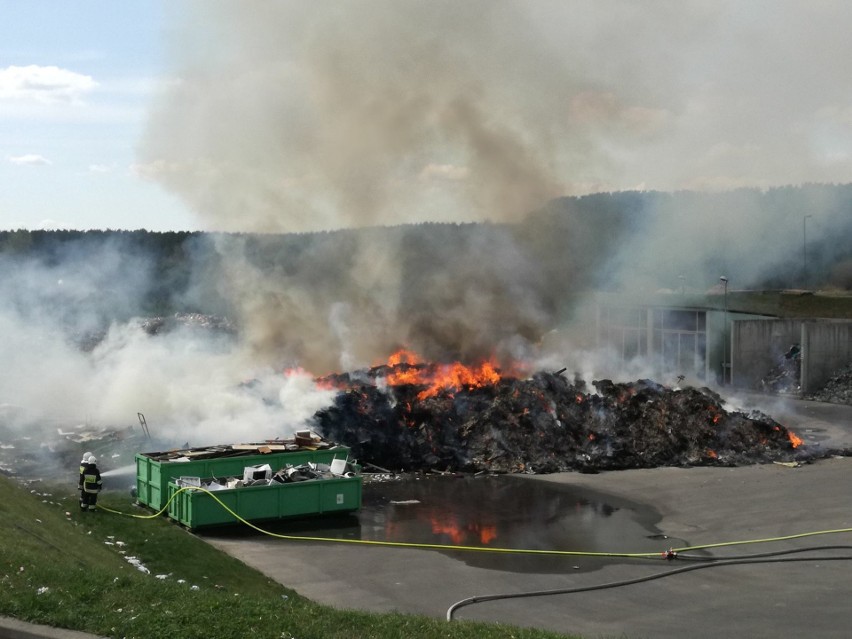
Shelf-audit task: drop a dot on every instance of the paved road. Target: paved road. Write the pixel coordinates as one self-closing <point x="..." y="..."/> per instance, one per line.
<point x="697" y="505"/>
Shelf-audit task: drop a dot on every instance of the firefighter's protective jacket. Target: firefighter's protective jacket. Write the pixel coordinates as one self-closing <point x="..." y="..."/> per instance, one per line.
<point x="90" y="478"/>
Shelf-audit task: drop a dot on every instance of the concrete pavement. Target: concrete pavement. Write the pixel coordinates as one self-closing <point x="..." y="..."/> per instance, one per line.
<point x="696" y="505"/>
<point x="11" y="628"/>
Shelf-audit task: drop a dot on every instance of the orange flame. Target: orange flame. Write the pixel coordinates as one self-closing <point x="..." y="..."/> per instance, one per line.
<point x="401" y="376"/>
<point x="458" y="375"/>
<point x="795" y="440"/>
<point x="446" y="377"/>
<point x="403" y="356"/>
<point x="712" y="454"/>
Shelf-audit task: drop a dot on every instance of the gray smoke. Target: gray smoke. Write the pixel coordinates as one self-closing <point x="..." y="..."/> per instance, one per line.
<point x="288" y="116"/>
<point x="292" y="116"/>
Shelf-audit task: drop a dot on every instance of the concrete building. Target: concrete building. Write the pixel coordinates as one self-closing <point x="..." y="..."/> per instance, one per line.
<point x="673" y="340"/>
<point x="705" y="341"/>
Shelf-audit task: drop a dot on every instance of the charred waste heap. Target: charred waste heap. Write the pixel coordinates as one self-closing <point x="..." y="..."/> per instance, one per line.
<point x="408" y="416"/>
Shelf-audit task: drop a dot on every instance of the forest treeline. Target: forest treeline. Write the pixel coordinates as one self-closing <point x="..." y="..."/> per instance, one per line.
<point x="573" y="243"/>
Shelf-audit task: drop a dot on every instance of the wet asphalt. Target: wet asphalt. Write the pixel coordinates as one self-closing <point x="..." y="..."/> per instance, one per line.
<point x="689" y="506"/>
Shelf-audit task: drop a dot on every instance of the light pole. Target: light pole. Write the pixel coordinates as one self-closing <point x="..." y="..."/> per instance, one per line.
<point x="724" y="281"/>
<point x="805" y="249"/>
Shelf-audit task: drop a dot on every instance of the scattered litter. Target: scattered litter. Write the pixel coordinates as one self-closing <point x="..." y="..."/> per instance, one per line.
<point x="194" y="587"/>
<point x="162" y="576"/>
<point x="405" y="502"/>
<point x="42" y="590"/>
<point x="137" y="563"/>
<point x="792" y="464"/>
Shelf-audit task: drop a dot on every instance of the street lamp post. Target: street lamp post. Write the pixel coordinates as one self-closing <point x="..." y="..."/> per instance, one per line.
<point x="725" y="367"/>
<point x="805" y="249"/>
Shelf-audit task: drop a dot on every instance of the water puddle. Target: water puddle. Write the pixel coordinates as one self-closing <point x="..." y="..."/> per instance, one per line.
<point x="508" y="512"/>
<point x="495" y="512"/>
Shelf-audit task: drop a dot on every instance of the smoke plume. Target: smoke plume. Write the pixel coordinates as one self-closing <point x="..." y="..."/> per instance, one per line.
<point x="294" y="120"/>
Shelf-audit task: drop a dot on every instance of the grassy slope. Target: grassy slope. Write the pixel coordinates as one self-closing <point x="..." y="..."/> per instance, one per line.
<point x="792" y="304"/>
<point x="64" y="568"/>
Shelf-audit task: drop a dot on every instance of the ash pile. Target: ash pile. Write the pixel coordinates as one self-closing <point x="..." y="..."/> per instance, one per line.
<point x="542" y="424"/>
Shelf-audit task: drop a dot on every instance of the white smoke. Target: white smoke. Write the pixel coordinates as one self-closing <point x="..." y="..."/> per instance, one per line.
<point x="75" y="350"/>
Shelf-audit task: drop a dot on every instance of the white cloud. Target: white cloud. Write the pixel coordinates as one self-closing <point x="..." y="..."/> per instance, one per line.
<point x="30" y="159"/>
<point x="44" y="84"/>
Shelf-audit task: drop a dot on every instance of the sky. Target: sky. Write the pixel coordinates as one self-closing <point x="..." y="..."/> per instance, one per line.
<point x="76" y="79"/>
<point x="297" y="116"/>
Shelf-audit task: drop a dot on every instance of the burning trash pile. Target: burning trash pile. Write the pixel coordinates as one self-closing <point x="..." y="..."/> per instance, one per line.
<point x="410" y="416"/>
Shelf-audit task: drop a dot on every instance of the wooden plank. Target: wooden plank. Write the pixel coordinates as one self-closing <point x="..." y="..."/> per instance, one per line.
<point x="270" y="447"/>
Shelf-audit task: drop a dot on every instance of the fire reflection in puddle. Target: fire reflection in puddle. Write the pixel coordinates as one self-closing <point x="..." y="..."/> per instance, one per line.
<point x="501" y="511"/>
<point x="507" y="512"/>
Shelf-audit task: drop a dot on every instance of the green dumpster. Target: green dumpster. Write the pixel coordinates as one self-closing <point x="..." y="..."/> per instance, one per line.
<point x="195" y="508"/>
<point x="154" y="470"/>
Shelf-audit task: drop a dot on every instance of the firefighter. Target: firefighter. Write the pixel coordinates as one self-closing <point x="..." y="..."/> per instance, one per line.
<point x="90" y="483"/>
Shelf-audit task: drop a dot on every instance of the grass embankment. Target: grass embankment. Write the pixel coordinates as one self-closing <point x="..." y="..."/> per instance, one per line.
<point x="793" y="304"/>
<point x="75" y="570"/>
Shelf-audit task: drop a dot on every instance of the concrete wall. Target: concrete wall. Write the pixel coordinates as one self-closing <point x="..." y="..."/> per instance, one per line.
<point x="826" y="348"/>
<point x="758" y="347"/>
